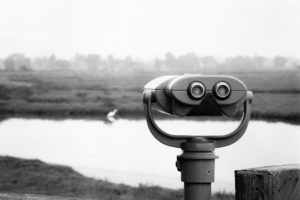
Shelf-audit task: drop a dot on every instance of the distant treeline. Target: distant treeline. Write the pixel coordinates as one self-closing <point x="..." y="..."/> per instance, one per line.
<point x="187" y="62"/>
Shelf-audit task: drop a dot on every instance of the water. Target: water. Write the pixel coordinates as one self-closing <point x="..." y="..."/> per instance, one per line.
<point x="126" y="152"/>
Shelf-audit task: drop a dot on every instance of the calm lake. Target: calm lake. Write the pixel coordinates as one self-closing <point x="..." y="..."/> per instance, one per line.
<point x="126" y="152"/>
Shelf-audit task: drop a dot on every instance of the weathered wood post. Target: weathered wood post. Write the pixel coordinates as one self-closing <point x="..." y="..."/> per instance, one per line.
<point x="268" y="183"/>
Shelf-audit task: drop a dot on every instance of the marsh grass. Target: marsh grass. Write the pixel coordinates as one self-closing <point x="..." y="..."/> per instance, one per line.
<point x="72" y="94"/>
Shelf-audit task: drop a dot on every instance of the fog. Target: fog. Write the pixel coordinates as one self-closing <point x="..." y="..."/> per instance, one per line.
<point x="150" y="29"/>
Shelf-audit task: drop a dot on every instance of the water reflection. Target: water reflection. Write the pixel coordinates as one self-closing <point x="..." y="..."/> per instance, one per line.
<point x="125" y="151"/>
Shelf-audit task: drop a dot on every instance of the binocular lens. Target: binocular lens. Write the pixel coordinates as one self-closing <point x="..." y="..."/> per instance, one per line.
<point x="196" y="90"/>
<point x="222" y="90"/>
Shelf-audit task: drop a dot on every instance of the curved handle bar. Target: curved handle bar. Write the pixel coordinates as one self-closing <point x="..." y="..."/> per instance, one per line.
<point x="177" y="140"/>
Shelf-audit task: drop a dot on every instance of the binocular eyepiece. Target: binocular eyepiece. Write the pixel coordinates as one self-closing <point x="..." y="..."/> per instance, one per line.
<point x="196" y="90"/>
<point x="198" y="95"/>
<point x="221" y="90"/>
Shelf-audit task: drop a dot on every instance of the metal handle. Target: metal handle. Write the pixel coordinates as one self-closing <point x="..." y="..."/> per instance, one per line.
<point x="177" y="140"/>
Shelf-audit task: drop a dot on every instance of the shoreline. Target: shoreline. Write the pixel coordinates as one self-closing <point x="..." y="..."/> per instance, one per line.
<point x="293" y="119"/>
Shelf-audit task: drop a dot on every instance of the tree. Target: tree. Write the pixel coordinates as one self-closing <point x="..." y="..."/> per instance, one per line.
<point x="189" y="61"/>
<point x="208" y="61"/>
<point x="93" y="61"/>
<point x="259" y="61"/>
<point x="1" y="64"/>
<point x="170" y="61"/>
<point x="279" y="61"/>
<point x="111" y="63"/>
<point x="79" y="62"/>
<point x="15" y="62"/>
<point x="9" y="64"/>
<point x="62" y="64"/>
<point x="24" y="68"/>
<point x="52" y="62"/>
<point x="240" y="63"/>
<point x="158" y="64"/>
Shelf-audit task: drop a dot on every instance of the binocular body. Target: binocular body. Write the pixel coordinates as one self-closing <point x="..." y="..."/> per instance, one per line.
<point x="198" y="95"/>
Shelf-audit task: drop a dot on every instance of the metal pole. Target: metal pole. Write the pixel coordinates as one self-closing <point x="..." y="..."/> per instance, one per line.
<point x="197" y="191"/>
<point x="197" y="166"/>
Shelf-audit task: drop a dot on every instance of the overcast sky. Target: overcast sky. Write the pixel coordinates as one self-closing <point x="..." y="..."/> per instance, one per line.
<point x="148" y="29"/>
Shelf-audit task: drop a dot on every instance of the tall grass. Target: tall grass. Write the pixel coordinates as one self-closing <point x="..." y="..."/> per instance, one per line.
<point x="36" y="177"/>
<point x="73" y="94"/>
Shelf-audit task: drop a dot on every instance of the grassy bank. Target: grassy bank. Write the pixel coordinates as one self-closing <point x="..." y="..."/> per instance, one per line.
<point x="56" y="94"/>
<point x="36" y="177"/>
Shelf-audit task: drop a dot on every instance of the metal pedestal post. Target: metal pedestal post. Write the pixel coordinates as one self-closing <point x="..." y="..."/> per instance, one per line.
<point x="197" y="167"/>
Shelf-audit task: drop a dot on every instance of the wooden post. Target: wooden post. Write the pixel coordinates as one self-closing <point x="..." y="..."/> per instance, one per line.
<point x="268" y="183"/>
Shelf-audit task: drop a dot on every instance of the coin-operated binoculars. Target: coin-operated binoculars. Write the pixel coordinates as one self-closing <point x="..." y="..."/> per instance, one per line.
<point x="197" y="95"/>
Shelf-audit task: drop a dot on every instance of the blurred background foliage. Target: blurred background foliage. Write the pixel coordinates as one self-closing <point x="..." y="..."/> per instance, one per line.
<point x="187" y="62"/>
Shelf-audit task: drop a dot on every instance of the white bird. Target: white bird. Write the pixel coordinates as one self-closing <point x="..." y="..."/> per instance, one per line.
<point x="111" y="115"/>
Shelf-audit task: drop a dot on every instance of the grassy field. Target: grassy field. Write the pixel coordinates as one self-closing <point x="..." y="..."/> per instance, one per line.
<point x="69" y="94"/>
<point x="25" y="179"/>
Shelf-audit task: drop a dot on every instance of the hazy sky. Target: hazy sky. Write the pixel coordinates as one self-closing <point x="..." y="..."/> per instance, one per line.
<point x="147" y="29"/>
